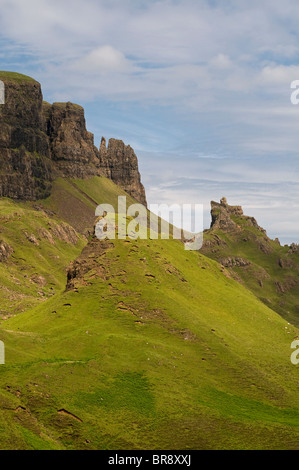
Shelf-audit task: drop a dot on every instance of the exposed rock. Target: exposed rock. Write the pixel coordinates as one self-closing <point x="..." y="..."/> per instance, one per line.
<point x="40" y="141"/>
<point x="285" y="263"/>
<point x="119" y="163"/>
<point x="72" y="146"/>
<point x="60" y="231"/>
<point x="262" y="265"/>
<point x="25" y="166"/>
<point x="287" y="285"/>
<point x="44" y="233"/>
<point x="215" y="241"/>
<point x="38" y="279"/>
<point x="294" y="247"/>
<point x="87" y="264"/>
<point x="223" y="214"/>
<point x="5" y="251"/>
<point x="65" y="233"/>
<point x="231" y="261"/>
<point x="265" y="246"/>
<point x="31" y="238"/>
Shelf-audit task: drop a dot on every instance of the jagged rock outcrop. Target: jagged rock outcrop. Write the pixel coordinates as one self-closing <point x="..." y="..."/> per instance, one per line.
<point x="40" y="141"/>
<point x="71" y="145"/>
<point x="234" y="261"/>
<point x="119" y="163"/>
<point x="262" y="265"/>
<point x="223" y="216"/>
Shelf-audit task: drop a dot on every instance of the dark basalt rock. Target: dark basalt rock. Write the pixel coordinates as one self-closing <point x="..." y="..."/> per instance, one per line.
<point x="71" y="145"/>
<point x="25" y="164"/>
<point x="40" y="141"/>
<point x="119" y="163"/>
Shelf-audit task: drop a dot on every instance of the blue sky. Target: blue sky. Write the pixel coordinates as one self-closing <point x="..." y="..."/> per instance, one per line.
<point x="200" y="89"/>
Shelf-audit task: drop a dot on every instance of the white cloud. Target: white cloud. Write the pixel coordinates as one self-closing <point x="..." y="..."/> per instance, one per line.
<point x="276" y="74"/>
<point x="221" y="61"/>
<point x="214" y="77"/>
<point x="102" y="59"/>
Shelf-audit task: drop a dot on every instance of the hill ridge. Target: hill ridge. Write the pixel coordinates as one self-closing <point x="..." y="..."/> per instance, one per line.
<point x="40" y="142"/>
<point x="269" y="270"/>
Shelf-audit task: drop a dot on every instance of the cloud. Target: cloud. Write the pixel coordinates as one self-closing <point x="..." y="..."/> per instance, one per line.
<point x="221" y="61"/>
<point x="274" y="202"/>
<point x="192" y="78"/>
<point x="102" y="59"/>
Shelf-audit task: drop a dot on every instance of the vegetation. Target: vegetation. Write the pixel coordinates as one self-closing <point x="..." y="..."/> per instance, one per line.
<point x="272" y="270"/>
<point x="13" y="76"/>
<point x="149" y="346"/>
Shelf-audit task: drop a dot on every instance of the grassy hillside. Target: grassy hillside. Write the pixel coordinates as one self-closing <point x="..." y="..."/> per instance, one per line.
<point x="269" y="270"/>
<point x="149" y="346"/>
<point x="39" y="249"/>
<point x="75" y="201"/>
<point x="43" y="237"/>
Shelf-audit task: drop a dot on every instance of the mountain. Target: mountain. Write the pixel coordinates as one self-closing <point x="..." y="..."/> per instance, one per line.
<point x="40" y="142"/>
<point x="269" y="270"/>
<point x="127" y="343"/>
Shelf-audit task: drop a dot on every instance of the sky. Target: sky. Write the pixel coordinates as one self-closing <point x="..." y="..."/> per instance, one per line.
<point x="199" y="88"/>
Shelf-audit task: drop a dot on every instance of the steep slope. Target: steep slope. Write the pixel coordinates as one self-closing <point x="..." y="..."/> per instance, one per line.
<point x="35" y="249"/>
<point x="133" y="343"/>
<point x="269" y="270"/>
<point x="39" y="239"/>
<point x="150" y="346"/>
<point x="75" y="200"/>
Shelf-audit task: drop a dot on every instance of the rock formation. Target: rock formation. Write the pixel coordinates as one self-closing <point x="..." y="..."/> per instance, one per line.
<point x="40" y="141"/>
<point x="225" y="217"/>
<point x="71" y="145"/>
<point x="25" y="165"/>
<point x="5" y="251"/>
<point x="120" y="164"/>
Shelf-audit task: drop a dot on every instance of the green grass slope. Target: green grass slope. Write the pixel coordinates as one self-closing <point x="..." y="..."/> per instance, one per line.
<point x="75" y="201"/>
<point x="43" y="237"/>
<point x="16" y="77"/>
<point x="149" y="347"/>
<point x="269" y="270"/>
<point x="39" y="249"/>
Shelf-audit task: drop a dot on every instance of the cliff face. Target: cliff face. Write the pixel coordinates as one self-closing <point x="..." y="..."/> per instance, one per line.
<point x="41" y="141"/>
<point x="71" y="145"/>
<point x="25" y="165"/>
<point x="119" y="163"/>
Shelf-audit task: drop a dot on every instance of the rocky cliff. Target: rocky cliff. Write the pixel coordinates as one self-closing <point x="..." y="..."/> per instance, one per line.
<point x="120" y="164"/>
<point x="25" y="163"/>
<point x="40" y="141"/>
<point x="71" y="145"/>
